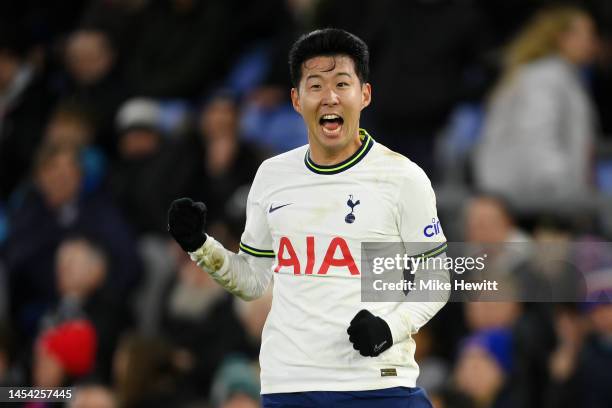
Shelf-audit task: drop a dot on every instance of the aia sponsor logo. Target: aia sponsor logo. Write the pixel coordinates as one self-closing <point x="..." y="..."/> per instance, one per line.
<point x="288" y="258"/>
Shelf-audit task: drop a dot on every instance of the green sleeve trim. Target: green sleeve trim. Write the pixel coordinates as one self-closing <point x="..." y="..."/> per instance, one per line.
<point x="432" y="252"/>
<point x="262" y="253"/>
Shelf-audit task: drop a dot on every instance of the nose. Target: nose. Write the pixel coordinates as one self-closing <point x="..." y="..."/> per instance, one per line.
<point x="330" y="97"/>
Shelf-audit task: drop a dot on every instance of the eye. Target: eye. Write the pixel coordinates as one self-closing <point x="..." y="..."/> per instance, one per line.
<point x="343" y="84"/>
<point x="315" y="86"/>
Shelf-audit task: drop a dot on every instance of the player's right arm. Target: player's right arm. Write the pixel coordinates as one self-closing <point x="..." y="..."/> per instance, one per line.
<point x="246" y="274"/>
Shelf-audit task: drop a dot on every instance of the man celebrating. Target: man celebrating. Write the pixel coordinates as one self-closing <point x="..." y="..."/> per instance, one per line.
<point x="308" y="212"/>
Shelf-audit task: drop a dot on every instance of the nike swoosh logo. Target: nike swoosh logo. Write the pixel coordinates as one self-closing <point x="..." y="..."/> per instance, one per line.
<point x="272" y="209"/>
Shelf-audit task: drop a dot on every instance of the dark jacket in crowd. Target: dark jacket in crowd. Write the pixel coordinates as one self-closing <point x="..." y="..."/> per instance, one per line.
<point x="144" y="189"/>
<point x="35" y="233"/>
<point x="179" y="53"/>
<point x="101" y="101"/>
<point x="21" y="129"/>
<point x="209" y="339"/>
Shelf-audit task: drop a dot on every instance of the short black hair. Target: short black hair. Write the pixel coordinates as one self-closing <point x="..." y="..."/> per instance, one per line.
<point x="329" y="42"/>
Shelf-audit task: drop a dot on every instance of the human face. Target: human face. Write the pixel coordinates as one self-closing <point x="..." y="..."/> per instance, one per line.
<point x="88" y="56"/>
<point x="579" y="43"/>
<point x="330" y="98"/>
<point x="59" y="179"/>
<point x="486" y="221"/>
<point x="478" y="375"/>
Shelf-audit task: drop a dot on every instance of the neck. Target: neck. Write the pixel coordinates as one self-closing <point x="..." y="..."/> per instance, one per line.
<point x="326" y="157"/>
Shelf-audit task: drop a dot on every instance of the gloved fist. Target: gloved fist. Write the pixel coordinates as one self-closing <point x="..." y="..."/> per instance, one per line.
<point x="186" y="223"/>
<point x="369" y="334"/>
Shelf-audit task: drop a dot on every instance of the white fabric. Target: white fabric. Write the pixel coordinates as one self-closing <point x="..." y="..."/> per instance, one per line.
<point x="305" y="346"/>
<point x="538" y="137"/>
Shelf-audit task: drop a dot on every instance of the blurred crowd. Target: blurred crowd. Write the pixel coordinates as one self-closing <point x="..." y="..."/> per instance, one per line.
<point x="110" y="109"/>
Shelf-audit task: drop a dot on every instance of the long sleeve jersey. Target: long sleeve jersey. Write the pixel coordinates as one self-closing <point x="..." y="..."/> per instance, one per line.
<point x="304" y="230"/>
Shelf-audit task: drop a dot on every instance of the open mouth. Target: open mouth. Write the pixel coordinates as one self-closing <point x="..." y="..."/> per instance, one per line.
<point x="331" y="123"/>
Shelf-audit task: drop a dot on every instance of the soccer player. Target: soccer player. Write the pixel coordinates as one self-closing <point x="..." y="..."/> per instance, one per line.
<point x="308" y="211"/>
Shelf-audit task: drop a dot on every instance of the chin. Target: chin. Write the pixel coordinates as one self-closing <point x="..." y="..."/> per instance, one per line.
<point x="332" y="142"/>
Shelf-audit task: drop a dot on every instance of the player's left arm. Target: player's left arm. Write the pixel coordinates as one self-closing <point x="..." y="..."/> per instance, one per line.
<point x="416" y="208"/>
<point x="417" y="211"/>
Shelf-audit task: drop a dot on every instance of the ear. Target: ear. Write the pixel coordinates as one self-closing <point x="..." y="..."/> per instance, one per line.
<point x="366" y="95"/>
<point x="295" y="100"/>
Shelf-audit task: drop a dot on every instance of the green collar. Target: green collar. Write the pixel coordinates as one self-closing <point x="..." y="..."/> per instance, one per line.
<point x="366" y="144"/>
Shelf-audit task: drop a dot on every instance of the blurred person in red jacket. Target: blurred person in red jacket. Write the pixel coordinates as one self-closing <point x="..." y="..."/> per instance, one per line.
<point x="64" y="353"/>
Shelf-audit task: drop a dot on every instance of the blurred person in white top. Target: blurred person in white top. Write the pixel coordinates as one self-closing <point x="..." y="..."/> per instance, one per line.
<point x="540" y="127"/>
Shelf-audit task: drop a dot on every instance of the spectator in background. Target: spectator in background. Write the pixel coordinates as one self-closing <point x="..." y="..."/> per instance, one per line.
<point x="484" y="368"/>
<point x="491" y="315"/>
<point x="93" y="396"/>
<point x="218" y="168"/>
<point x="64" y="353"/>
<point x="199" y="319"/>
<point x="580" y="367"/>
<point x="144" y="373"/>
<point x="489" y="223"/>
<point x="70" y="124"/>
<point x="82" y="267"/>
<point x="488" y="219"/>
<point x="236" y="385"/>
<point x="24" y="106"/>
<point x="53" y="208"/>
<point x="538" y="138"/>
<point x="142" y="180"/>
<point x="94" y="82"/>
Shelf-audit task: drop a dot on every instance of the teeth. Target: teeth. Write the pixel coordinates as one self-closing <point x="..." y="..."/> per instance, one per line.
<point x="330" y="117"/>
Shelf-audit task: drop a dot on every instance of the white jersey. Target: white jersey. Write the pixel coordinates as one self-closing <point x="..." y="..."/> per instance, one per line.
<point x="305" y="225"/>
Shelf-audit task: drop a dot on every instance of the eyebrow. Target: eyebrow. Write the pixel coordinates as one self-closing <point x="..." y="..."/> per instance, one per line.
<point x="313" y="76"/>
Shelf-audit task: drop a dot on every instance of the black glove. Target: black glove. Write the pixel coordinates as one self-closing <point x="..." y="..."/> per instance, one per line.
<point x="186" y="222"/>
<point x="369" y="334"/>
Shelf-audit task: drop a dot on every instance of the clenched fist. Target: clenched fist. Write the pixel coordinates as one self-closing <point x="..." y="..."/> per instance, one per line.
<point x="187" y="222"/>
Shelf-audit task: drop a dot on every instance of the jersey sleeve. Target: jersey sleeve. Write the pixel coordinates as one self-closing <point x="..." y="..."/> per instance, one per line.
<point x="423" y="237"/>
<point x="256" y="239"/>
<point x="417" y="217"/>
<point x="248" y="273"/>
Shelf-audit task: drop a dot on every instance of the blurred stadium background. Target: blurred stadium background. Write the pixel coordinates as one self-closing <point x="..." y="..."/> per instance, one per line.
<point x="109" y="109"/>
